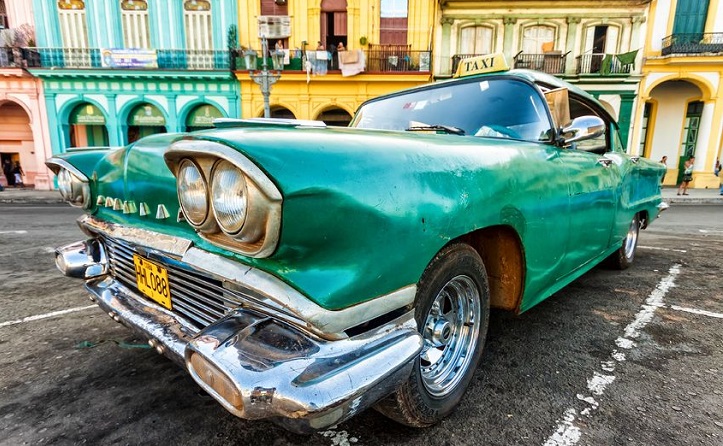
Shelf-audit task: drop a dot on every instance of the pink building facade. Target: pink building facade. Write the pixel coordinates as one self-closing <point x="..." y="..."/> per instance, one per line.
<point x="24" y="135"/>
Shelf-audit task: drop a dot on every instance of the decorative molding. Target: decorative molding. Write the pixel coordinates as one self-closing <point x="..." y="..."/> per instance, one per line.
<point x="509" y="20"/>
<point x="638" y="19"/>
<point x="573" y="20"/>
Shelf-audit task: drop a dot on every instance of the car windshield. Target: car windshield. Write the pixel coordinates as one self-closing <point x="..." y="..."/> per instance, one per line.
<point x="497" y="108"/>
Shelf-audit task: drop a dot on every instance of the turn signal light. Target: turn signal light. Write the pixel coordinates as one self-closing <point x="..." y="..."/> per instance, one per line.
<point x="216" y="380"/>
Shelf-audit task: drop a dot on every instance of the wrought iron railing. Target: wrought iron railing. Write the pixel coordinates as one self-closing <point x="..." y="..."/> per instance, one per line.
<point x="603" y="64"/>
<point x="161" y="59"/>
<point x="692" y="43"/>
<point x="378" y="59"/>
<point x="551" y="63"/>
<point x="19" y="58"/>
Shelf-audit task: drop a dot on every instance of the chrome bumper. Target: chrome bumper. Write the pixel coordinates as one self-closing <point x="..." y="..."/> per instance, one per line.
<point x="258" y="366"/>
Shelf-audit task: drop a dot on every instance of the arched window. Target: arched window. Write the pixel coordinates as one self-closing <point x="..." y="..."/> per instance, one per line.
<point x="134" y="16"/>
<point x="199" y="33"/>
<point x="71" y="15"/>
<point x="538" y="39"/>
<point x="476" y="40"/>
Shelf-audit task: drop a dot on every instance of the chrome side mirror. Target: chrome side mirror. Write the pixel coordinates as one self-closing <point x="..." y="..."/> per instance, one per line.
<point x="582" y="128"/>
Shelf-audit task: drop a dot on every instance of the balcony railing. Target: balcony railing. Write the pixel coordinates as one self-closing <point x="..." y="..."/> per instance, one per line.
<point x="695" y="43"/>
<point x="603" y="64"/>
<point x="379" y="59"/>
<point x="551" y="63"/>
<point x="18" y="58"/>
<point x="153" y="59"/>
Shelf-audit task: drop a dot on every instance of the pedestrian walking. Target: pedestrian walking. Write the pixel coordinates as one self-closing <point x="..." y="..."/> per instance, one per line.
<point x="716" y="171"/>
<point x="687" y="176"/>
<point x="664" y="162"/>
<point x="18" y="174"/>
<point x="8" y="171"/>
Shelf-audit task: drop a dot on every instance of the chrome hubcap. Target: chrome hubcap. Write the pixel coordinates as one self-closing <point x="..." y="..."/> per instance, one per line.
<point x="631" y="240"/>
<point x="450" y="333"/>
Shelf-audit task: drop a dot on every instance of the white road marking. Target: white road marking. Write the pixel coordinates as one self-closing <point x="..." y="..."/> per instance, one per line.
<point x="566" y="432"/>
<point x="708" y="231"/>
<point x="696" y="311"/>
<point x="13" y="232"/>
<point x="662" y="249"/>
<point x="45" y="316"/>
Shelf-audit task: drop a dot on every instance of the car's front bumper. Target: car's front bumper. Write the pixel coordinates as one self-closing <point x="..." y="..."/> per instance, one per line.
<point x="257" y="365"/>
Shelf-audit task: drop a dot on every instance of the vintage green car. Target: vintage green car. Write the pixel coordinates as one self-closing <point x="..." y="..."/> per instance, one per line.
<point x="303" y="273"/>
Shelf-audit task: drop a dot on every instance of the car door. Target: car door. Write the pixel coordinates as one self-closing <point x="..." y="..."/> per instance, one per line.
<point x="593" y="177"/>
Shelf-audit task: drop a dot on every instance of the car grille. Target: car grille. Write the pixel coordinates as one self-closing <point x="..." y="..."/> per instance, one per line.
<point x="199" y="299"/>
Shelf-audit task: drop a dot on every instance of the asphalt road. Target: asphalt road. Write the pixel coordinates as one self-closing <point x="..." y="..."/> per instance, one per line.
<point x="617" y="358"/>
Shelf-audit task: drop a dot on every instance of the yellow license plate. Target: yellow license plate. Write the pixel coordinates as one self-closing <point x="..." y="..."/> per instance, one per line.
<point x="152" y="280"/>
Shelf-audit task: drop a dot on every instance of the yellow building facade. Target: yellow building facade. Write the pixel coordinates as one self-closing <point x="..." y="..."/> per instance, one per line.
<point x="680" y="111"/>
<point x="333" y="95"/>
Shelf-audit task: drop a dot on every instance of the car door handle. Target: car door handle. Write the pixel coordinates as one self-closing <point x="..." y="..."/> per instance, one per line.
<point x="605" y="162"/>
<point x="634" y="159"/>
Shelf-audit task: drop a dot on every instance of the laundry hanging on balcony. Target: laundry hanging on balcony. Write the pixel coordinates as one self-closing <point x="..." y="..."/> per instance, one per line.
<point x="351" y="62"/>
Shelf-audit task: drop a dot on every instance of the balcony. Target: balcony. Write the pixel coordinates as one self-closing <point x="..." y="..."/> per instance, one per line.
<point x="95" y="58"/>
<point x="386" y="59"/>
<point x="605" y="64"/>
<point x="551" y="63"/>
<point x="695" y="43"/>
<point x="18" y="58"/>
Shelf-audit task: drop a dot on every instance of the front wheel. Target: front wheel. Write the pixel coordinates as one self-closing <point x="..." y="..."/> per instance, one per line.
<point x="624" y="256"/>
<point x="452" y="313"/>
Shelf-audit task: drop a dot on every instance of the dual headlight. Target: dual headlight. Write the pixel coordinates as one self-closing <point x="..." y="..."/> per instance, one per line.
<point x="226" y="196"/>
<point x="72" y="184"/>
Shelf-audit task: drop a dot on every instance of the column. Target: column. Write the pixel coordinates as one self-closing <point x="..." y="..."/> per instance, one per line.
<point x="445" y="47"/>
<point x="573" y="24"/>
<point x="636" y="37"/>
<point x="509" y="37"/>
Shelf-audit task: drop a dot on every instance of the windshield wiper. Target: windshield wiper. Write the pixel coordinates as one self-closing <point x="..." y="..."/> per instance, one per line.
<point x="445" y="128"/>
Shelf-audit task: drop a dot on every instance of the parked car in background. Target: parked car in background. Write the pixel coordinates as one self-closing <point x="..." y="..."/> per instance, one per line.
<point x="303" y="273"/>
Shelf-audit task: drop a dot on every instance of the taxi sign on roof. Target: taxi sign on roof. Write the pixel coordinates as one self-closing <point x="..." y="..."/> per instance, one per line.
<point x="488" y="63"/>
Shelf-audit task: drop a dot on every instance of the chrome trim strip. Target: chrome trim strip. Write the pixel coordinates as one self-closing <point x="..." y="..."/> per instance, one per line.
<point x="168" y="244"/>
<point x="270" y="293"/>
<point x="56" y="163"/>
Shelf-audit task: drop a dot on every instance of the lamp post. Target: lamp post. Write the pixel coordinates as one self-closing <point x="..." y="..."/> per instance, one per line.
<point x="265" y="77"/>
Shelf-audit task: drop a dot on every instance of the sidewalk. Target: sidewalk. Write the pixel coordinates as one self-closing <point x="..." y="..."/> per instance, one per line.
<point x="31" y="196"/>
<point x="697" y="196"/>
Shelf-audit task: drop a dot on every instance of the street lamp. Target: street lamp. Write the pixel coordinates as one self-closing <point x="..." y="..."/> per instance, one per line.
<point x="265" y="77"/>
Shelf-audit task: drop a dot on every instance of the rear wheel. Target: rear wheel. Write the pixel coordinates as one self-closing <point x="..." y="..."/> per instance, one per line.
<point x="452" y="312"/>
<point x="624" y="256"/>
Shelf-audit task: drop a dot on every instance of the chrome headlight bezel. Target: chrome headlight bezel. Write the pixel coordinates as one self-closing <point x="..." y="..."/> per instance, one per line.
<point x="196" y="217"/>
<point x="259" y="232"/>
<point x="73" y="185"/>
